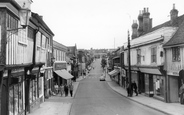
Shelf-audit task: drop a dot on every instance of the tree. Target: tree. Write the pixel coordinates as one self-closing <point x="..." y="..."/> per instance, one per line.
<point x="103" y="62"/>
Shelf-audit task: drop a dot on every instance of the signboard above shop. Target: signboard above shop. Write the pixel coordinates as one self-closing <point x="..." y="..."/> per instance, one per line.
<point x="59" y="65"/>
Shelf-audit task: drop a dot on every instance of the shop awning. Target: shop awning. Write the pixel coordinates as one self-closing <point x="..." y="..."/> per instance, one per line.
<point x="64" y="74"/>
<point x="114" y="72"/>
<point x="151" y="71"/>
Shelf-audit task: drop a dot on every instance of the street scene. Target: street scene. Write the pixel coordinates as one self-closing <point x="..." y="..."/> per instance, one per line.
<point x="91" y="57"/>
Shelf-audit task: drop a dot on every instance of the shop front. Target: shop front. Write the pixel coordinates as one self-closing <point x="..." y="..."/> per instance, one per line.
<point x="174" y="83"/>
<point x="14" y="86"/>
<point x="35" y="89"/>
<point x="114" y="74"/>
<point x="12" y="99"/>
<point x="134" y="74"/>
<point x="154" y="82"/>
<point x="46" y="83"/>
<point x="61" y="75"/>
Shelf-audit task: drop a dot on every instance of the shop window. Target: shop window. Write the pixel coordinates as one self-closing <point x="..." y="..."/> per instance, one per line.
<point x="16" y="99"/>
<point x="159" y="85"/>
<point x="33" y="90"/>
<point x="40" y="86"/>
<point x="176" y="54"/>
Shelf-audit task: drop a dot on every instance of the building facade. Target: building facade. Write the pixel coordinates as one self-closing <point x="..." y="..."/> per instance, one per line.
<point x="59" y="53"/>
<point x="22" y="86"/>
<point x="152" y="67"/>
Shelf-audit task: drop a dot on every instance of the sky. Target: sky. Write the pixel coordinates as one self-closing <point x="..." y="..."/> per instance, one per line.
<point x="99" y="24"/>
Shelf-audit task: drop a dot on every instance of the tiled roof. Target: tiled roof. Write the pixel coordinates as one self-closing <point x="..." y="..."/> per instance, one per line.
<point x="178" y="37"/>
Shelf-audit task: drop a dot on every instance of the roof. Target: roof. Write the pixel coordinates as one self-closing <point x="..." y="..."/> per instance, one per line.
<point x="176" y="23"/>
<point x="161" y="34"/>
<point x="178" y="37"/>
<point x="39" y="21"/>
<point x="57" y="45"/>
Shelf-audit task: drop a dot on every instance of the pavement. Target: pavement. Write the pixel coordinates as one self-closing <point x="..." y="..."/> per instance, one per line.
<point x="167" y="108"/>
<point x="57" y="105"/>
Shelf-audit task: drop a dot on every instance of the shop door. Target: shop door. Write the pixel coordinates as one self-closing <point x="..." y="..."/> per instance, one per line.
<point x="27" y="108"/>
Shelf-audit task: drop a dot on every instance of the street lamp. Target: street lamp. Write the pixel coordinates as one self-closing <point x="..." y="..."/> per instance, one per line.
<point x="129" y="65"/>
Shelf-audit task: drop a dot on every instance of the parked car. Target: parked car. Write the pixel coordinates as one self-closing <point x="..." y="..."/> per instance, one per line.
<point x="102" y="78"/>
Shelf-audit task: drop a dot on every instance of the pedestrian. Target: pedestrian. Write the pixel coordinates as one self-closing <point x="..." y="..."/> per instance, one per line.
<point x="181" y="94"/>
<point x="66" y="90"/>
<point x="134" y="87"/>
<point x="128" y="89"/>
<point x="56" y="88"/>
<point x="62" y="90"/>
<point x="71" y="89"/>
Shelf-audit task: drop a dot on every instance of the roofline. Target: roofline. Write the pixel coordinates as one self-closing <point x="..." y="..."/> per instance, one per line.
<point x="170" y="46"/>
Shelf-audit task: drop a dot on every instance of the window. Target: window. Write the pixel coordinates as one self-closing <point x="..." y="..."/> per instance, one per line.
<point x="30" y="33"/>
<point x="153" y="55"/>
<point x="176" y="54"/>
<point x="138" y="56"/>
<point x="11" y="22"/>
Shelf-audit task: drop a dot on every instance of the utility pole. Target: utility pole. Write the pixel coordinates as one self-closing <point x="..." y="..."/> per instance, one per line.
<point x="129" y="65"/>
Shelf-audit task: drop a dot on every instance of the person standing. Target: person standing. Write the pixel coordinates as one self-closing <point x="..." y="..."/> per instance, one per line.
<point x="128" y="89"/>
<point x="181" y="94"/>
<point x="71" y="89"/>
<point x="62" y="90"/>
<point x="66" y="90"/>
<point x="134" y="87"/>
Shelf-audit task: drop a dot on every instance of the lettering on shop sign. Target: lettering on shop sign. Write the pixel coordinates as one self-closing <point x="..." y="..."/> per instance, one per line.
<point x="59" y="66"/>
<point x="175" y="67"/>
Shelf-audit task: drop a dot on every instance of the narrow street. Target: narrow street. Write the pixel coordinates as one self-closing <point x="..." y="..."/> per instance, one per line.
<point x="94" y="97"/>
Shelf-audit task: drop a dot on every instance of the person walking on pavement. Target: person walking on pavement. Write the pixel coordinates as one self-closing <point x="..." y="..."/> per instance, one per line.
<point x="71" y="89"/>
<point x="134" y="87"/>
<point x="66" y="90"/>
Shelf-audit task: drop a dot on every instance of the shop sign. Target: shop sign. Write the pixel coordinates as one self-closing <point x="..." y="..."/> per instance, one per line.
<point x="36" y="68"/>
<point x="60" y="66"/>
<point x="17" y="70"/>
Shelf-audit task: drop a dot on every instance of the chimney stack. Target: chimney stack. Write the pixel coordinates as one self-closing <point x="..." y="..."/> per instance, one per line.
<point x="146" y="20"/>
<point x="173" y="14"/>
<point x="140" y="19"/>
<point x="134" y="29"/>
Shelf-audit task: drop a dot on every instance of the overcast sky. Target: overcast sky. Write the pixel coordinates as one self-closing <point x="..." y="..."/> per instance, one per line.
<point x="99" y="23"/>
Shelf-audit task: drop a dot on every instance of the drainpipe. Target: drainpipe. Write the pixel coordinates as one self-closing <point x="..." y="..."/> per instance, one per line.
<point x="167" y="96"/>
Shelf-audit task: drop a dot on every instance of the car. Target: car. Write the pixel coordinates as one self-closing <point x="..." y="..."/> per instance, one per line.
<point x="102" y="78"/>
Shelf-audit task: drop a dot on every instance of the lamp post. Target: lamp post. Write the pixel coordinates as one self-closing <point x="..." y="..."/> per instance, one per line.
<point x="129" y="65"/>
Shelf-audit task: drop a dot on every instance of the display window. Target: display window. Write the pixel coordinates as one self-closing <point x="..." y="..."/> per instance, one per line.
<point x="16" y="99"/>
<point x="40" y="86"/>
<point x="158" y="85"/>
<point x="33" y="91"/>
